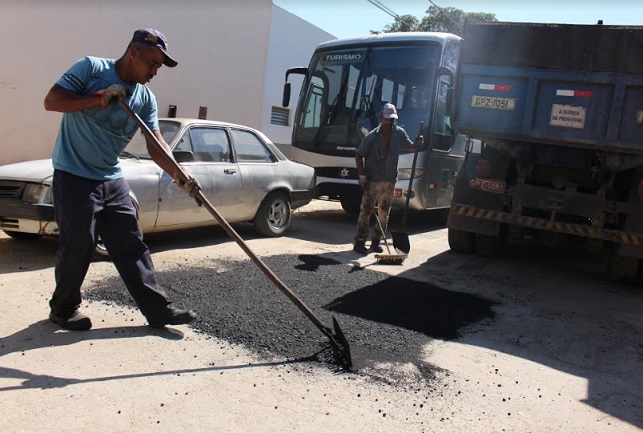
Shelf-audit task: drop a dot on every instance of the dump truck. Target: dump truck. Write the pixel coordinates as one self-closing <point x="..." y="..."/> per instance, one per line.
<point x="553" y="114"/>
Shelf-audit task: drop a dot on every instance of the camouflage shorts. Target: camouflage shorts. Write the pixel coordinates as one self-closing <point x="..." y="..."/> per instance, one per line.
<point x="378" y="194"/>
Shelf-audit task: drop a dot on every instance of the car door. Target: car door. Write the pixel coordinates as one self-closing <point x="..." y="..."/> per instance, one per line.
<point x="213" y="168"/>
<point x="258" y="168"/>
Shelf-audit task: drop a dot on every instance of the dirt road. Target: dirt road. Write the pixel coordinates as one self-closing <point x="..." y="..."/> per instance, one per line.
<point x="537" y="342"/>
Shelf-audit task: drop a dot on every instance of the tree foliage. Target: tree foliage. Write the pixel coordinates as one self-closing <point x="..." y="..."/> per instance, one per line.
<point x="437" y="19"/>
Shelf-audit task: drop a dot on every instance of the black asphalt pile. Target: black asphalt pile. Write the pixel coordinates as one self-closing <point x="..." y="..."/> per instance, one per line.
<point x="386" y="319"/>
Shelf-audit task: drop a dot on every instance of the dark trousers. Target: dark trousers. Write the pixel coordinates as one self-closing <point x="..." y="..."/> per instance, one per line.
<point x="85" y="208"/>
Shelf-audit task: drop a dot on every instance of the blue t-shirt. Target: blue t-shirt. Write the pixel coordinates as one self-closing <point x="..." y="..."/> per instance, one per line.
<point x="90" y="141"/>
<point x="379" y="169"/>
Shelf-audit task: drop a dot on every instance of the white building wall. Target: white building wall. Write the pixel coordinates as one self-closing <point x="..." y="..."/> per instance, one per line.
<point x="292" y="42"/>
<point x="222" y="47"/>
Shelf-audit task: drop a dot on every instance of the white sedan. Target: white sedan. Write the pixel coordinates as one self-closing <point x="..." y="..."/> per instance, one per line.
<point x="243" y="175"/>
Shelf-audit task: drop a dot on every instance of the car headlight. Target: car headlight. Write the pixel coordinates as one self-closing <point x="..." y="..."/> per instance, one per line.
<point x="37" y="194"/>
<point x="405" y="173"/>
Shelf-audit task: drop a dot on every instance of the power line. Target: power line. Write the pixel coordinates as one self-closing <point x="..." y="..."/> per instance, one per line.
<point x="378" y="4"/>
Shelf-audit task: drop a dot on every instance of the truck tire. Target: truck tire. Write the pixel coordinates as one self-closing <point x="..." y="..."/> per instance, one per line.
<point x="461" y="241"/>
<point x="621" y="269"/>
<point x="488" y="245"/>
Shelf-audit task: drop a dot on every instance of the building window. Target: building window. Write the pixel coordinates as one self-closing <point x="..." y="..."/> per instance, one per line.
<point x="279" y="116"/>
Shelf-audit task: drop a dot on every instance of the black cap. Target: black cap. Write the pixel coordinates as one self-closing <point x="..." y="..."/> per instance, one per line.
<point x="156" y="39"/>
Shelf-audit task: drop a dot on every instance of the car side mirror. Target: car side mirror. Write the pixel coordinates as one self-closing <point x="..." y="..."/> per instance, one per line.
<point x="183" y="156"/>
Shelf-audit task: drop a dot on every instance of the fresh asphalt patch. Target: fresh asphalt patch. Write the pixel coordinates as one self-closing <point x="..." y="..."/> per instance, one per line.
<point x="387" y="319"/>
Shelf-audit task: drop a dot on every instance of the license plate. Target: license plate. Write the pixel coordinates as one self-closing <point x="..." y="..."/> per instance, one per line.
<point x="488" y="185"/>
<point x="493" y="102"/>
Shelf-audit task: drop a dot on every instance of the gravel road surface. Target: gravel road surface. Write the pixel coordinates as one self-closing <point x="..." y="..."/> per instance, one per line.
<point x="535" y="342"/>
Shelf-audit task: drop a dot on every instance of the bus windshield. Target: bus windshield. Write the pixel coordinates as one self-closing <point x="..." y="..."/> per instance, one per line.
<point x="346" y="87"/>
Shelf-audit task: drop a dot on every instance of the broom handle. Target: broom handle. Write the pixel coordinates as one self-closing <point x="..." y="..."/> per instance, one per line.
<point x="408" y="192"/>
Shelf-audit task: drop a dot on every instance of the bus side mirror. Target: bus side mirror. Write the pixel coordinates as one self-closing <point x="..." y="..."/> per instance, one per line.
<point x="449" y="101"/>
<point x="446" y="72"/>
<point x="286" y="98"/>
<point x="298" y="70"/>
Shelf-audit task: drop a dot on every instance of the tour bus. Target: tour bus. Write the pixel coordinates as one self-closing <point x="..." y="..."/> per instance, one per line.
<point x="344" y="88"/>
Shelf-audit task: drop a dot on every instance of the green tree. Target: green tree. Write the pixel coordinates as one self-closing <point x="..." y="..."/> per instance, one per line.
<point x="403" y="23"/>
<point x="437" y="19"/>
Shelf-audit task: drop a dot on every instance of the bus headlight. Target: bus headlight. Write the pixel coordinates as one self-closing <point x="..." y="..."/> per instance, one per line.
<point x="36" y="193"/>
<point x="405" y="173"/>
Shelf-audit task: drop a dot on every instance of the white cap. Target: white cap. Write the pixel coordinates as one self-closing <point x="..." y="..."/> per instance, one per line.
<point x="389" y="111"/>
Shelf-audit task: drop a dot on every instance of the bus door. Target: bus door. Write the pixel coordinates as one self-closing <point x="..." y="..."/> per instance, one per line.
<point x="443" y="159"/>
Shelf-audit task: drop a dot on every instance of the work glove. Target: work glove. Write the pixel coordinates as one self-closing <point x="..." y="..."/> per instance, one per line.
<point x="419" y="142"/>
<point x="362" y="180"/>
<point x="115" y="92"/>
<point x="191" y="186"/>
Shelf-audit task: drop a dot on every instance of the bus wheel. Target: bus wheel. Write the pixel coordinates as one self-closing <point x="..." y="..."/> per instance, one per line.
<point x="489" y="245"/>
<point x="461" y="241"/>
<point x="621" y="269"/>
<point x="351" y="207"/>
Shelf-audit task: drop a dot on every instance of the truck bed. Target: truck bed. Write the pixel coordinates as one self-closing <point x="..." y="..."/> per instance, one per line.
<point x="569" y="85"/>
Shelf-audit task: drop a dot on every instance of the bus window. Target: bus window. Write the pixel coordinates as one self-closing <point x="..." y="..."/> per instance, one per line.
<point x="312" y="114"/>
<point x="353" y="75"/>
<point x="443" y="137"/>
<point x="387" y="90"/>
<point x="401" y="92"/>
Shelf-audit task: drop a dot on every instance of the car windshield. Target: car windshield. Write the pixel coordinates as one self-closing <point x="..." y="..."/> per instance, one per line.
<point x="137" y="146"/>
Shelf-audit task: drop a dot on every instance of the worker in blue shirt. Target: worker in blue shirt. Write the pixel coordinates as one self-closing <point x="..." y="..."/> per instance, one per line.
<point x="91" y="197"/>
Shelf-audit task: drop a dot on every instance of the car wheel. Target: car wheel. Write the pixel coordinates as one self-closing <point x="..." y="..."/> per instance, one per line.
<point x="100" y="252"/>
<point x="273" y="217"/>
<point x="20" y="236"/>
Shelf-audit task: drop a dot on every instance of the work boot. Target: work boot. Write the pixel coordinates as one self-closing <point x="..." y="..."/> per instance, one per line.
<point x="360" y="247"/>
<point x="376" y="247"/>
<point x="172" y="316"/>
<point x="76" y="322"/>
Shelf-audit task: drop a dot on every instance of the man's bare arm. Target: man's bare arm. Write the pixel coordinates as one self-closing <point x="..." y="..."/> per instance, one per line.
<point x="65" y="101"/>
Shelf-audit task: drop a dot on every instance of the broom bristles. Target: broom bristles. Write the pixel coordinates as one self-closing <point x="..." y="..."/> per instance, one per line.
<point x="393" y="259"/>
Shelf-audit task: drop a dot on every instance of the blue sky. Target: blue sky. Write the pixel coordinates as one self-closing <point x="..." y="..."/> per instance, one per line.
<point x="347" y="18"/>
